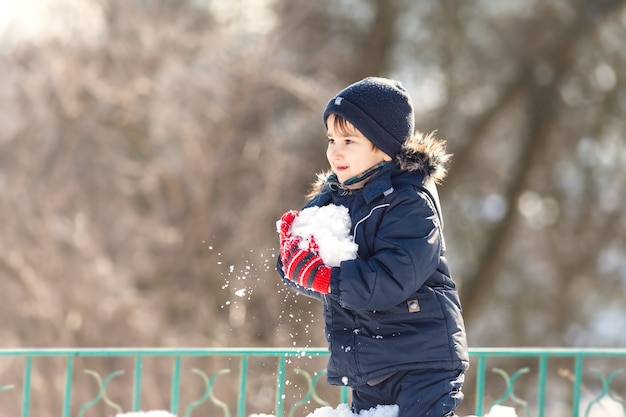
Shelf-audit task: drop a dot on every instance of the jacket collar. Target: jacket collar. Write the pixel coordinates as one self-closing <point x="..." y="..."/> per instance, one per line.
<point x="379" y="182"/>
<point x="345" y="187"/>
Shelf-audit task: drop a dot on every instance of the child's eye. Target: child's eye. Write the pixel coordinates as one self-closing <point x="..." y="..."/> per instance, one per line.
<point x="331" y="140"/>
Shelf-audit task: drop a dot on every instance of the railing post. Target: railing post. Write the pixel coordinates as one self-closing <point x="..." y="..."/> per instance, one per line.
<point x="243" y="376"/>
<point x="137" y="383"/>
<point x="543" y="376"/>
<point x="480" y="385"/>
<point x="578" y="378"/>
<point x="175" y="386"/>
<point x="26" y="390"/>
<point x="67" y="398"/>
<point x="280" y="386"/>
<point x="344" y="395"/>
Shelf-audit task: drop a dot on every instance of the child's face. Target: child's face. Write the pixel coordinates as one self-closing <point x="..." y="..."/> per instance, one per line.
<point x="350" y="153"/>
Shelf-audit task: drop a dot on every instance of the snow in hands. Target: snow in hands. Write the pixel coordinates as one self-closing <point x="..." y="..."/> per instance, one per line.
<point x="330" y="226"/>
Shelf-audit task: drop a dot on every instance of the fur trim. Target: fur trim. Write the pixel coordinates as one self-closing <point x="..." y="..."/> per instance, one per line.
<point x="423" y="152"/>
<point x="316" y="187"/>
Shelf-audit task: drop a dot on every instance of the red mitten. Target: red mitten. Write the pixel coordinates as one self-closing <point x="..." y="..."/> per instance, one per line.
<point x="287" y="246"/>
<point x="284" y="225"/>
<point x="287" y="241"/>
<point x="306" y="267"/>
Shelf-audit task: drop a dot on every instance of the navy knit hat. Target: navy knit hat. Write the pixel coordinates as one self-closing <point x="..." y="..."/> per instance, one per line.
<point x="380" y="108"/>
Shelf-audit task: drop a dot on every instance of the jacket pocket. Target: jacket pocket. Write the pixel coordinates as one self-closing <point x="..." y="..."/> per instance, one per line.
<point x="423" y="305"/>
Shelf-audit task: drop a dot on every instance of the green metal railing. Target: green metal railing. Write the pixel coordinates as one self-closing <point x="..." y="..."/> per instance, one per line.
<point x="588" y="375"/>
<point x="542" y="356"/>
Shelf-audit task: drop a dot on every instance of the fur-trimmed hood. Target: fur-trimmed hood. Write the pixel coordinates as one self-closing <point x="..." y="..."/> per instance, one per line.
<point x="422" y="153"/>
<point x="426" y="154"/>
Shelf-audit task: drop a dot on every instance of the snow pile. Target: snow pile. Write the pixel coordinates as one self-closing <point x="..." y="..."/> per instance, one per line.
<point x="501" y="411"/>
<point x="343" y="410"/>
<point x="606" y="407"/>
<point x="330" y="225"/>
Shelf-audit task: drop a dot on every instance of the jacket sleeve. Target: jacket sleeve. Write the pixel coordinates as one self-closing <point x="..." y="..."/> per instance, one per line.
<point x="406" y="249"/>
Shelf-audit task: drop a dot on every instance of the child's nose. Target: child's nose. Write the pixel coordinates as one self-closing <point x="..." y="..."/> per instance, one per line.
<point x="336" y="151"/>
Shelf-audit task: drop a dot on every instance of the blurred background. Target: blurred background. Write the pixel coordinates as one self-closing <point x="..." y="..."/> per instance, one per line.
<point x="147" y="148"/>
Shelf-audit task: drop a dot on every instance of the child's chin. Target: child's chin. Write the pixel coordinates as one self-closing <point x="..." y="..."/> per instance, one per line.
<point x="342" y="178"/>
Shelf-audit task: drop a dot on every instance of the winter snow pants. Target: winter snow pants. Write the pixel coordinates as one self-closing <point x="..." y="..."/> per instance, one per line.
<point x="429" y="393"/>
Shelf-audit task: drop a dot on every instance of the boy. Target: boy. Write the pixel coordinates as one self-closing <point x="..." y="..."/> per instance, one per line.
<point x="392" y="316"/>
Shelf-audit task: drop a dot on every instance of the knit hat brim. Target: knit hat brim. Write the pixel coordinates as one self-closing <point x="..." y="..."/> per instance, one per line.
<point x="370" y="128"/>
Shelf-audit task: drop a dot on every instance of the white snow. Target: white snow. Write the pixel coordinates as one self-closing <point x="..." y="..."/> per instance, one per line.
<point x="501" y="411"/>
<point x="330" y="225"/>
<point x="607" y="407"/>
<point x="604" y="408"/>
<point x="342" y="410"/>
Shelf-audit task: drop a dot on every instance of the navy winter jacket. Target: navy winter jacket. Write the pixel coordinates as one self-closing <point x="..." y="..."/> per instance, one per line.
<point x="395" y="307"/>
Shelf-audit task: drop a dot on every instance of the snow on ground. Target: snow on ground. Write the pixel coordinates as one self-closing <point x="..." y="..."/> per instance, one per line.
<point x="343" y="410"/>
<point x="605" y="408"/>
<point x="501" y="411"/>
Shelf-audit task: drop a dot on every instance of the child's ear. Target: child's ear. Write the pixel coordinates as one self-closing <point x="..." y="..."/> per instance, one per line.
<point x="386" y="158"/>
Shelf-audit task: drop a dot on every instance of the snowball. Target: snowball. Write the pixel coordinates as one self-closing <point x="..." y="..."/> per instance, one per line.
<point x="330" y="225"/>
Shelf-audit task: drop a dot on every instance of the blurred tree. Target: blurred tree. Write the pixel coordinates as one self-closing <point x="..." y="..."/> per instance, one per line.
<point x="141" y="174"/>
